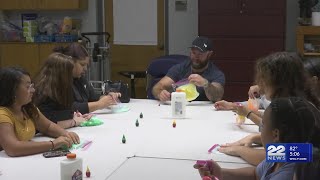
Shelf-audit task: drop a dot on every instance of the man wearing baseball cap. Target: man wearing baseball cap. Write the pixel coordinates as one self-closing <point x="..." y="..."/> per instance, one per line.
<point x="199" y="70"/>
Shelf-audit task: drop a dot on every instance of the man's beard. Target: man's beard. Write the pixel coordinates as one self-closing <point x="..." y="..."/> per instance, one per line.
<point x="200" y="65"/>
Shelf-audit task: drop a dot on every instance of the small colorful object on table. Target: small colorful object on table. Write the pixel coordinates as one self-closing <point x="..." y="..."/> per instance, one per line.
<point x="206" y="178"/>
<point x="83" y="144"/>
<point x="207" y="164"/>
<point x="88" y="173"/>
<point x="201" y="162"/>
<point x="141" y="115"/>
<point x="137" y="123"/>
<point x="86" y="145"/>
<point x="124" y="139"/>
<point x="174" y="124"/>
<point x="215" y="146"/>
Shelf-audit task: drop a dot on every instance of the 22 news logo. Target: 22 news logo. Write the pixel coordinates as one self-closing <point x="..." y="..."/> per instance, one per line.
<point x="276" y="153"/>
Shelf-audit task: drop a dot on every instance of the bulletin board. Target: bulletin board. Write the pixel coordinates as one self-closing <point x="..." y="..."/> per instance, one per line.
<point x="135" y="22"/>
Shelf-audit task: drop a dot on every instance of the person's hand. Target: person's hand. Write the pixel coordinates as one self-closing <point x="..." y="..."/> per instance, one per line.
<point x="254" y="91"/>
<point x="211" y="169"/>
<point x="73" y="136"/>
<point x="164" y="95"/>
<point x="242" y="110"/>
<point x="224" y="105"/>
<point x="246" y="141"/>
<point x="106" y="101"/>
<point x="115" y="96"/>
<point x="231" y="150"/>
<point x="198" y="80"/>
<point x="87" y="116"/>
<point x="253" y="104"/>
<point x="79" y="118"/>
<point x="62" y="141"/>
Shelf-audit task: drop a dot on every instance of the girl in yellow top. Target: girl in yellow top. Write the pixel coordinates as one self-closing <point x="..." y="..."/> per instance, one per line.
<point x="19" y="118"/>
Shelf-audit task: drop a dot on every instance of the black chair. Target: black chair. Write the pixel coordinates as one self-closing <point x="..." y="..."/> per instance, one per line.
<point x="158" y="68"/>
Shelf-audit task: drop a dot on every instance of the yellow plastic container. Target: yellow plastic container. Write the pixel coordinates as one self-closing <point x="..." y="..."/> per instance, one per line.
<point x="190" y="90"/>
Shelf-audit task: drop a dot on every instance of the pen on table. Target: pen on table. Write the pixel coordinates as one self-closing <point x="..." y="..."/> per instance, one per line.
<point x="86" y="145"/>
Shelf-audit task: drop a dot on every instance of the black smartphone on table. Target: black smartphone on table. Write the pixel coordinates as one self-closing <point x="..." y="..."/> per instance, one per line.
<point x="56" y="153"/>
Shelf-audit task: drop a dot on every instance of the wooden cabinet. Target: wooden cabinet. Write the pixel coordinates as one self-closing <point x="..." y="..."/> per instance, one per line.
<point x="25" y="55"/>
<point x="29" y="56"/>
<point x="63" y="4"/>
<point x="43" y="4"/>
<point x="47" y="48"/>
<point x="308" y="36"/>
<point x="18" y="4"/>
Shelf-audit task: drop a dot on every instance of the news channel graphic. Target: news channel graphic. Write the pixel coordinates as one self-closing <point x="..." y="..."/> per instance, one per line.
<point x="289" y="152"/>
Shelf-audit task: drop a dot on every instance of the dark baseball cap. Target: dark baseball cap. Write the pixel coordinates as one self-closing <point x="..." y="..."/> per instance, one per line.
<point x="202" y="43"/>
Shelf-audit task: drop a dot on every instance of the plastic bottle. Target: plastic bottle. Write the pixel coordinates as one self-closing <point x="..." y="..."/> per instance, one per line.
<point x="67" y="25"/>
<point x="240" y="119"/>
<point x="71" y="168"/>
<point x="178" y="104"/>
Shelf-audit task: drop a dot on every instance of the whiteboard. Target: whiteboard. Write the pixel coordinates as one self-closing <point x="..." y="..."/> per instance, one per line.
<point x="135" y="22"/>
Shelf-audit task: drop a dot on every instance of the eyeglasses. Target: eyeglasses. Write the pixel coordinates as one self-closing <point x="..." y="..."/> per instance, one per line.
<point x="30" y="87"/>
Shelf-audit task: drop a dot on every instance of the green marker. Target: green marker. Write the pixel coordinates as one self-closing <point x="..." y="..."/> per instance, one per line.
<point x="123" y="139"/>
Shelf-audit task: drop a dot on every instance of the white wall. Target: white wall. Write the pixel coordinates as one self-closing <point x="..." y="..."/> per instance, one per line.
<point x="182" y="27"/>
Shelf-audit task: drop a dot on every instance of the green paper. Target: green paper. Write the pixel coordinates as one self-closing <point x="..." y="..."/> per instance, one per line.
<point x="92" y="122"/>
<point x="73" y="147"/>
<point x="76" y="146"/>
